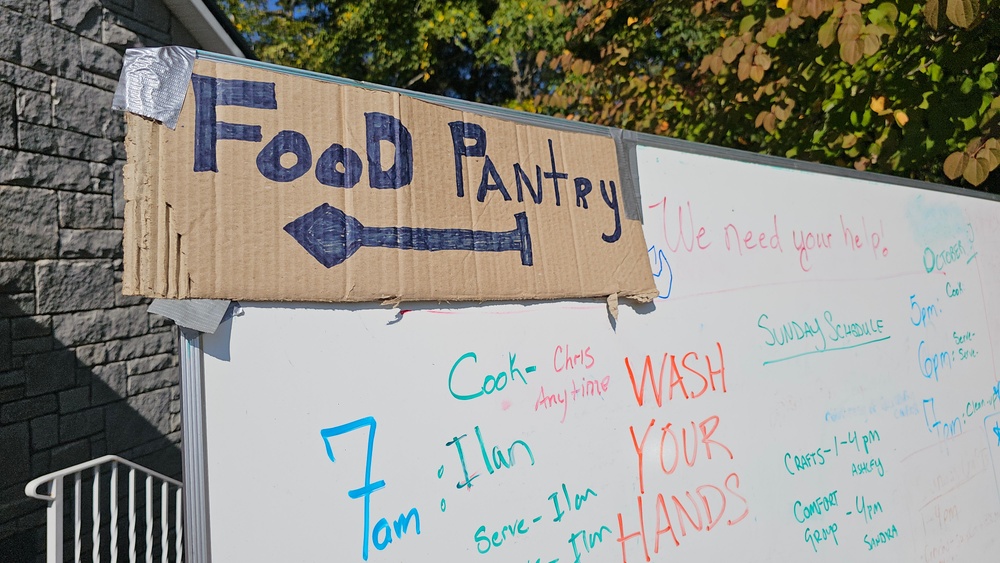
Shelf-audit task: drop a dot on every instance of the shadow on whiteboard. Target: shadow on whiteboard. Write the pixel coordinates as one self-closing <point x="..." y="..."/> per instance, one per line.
<point x="220" y="349"/>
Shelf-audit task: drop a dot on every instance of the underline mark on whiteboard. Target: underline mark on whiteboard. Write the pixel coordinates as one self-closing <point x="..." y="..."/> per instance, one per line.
<point x="971" y="257"/>
<point x="858" y="345"/>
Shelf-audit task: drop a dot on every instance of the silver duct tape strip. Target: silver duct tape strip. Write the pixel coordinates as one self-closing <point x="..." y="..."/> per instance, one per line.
<point x="154" y="82"/>
<point x="628" y="169"/>
<point x="203" y="315"/>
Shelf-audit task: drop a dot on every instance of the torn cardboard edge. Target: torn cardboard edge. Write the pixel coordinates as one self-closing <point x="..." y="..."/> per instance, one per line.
<point x="154" y="82"/>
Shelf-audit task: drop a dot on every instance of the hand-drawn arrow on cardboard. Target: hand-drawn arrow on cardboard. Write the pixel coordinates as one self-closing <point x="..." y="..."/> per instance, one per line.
<point x="332" y="236"/>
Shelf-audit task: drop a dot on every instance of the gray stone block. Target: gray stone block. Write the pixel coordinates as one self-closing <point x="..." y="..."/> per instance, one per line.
<point x="80" y="424"/>
<point x="98" y="81"/>
<point x="37" y="138"/>
<point x="150" y="364"/>
<point x="100" y="58"/>
<point x="26" y="409"/>
<point x="34" y="107"/>
<point x="102" y="171"/>
<point x="70" y="454"/>
<point x="138" y="420"/>
<point x="11" y="378"/>
<point x="73" y="400"/>
<point x="29" y="346"/>
<point x="43" y="46"/>
<point x="11" y="394"/>
<point x="15" y="464"/>
<point x="17" y="305"/>
<point x="33" y="233"/>
<point x="10" y="43"/>
<point x="44" y="432"/>
<point x="116" y="127"/>
<point x="41" y="463"/>
<point x="80" y="16"/>
<point x="8" y="116"/>
<point x="109" y="384"/>
<point x="151" y="381"/>
<point x="38" y="9"/>
<point x="24" y="77"/>
<point x="49" y="372"/>
<point x="45" y="171"/>
<point x="31" y="327"/>
<point x="6" y="354"/>
<point x="17" y="277"/>
<point x="122" y="300"/>
<point x="159" y="321"/>
<point x="75" y="243"/>
<point x="118" y="36"/>
<point x="74" y="285"/>
<point x="98" y="447"/>
<point x="88" y="327"/>
<point x="84" y="211"/>
<point x="81" y="108"/>
<point x="128" y="349"/>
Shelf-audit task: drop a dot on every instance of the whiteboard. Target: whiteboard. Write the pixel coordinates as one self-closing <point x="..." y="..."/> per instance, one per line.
<point x="817" y="380"/>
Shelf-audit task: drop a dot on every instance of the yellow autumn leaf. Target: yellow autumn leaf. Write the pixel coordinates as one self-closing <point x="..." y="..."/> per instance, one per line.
<point x="782" y="4"/>
<point x="901" y="117"/>
<point x="878" y="104"/>
<point x="632" y="20"/>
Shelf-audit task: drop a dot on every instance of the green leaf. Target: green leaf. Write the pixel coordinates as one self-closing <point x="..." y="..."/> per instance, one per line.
<point x="962" y="13"/>
<point x="935" y="72"/>
<point x="890" y="11"/>
<point x="828" y="32"/>
<point x="955" y="164"/>
<point x="747" y="23"/>
<point x="748" y="3"/>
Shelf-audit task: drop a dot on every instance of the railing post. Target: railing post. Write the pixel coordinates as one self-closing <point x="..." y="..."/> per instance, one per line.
<point x="54" y="523"/>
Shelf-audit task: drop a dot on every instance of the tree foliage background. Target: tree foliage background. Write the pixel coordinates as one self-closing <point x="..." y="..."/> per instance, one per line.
<point x="906" y="87"/>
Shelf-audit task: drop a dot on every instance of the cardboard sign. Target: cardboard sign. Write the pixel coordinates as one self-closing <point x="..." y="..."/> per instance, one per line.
<point x="281" y="187"/>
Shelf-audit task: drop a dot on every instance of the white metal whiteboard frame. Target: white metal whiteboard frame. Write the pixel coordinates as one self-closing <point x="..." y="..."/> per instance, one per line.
<point x="193" y="430"/>
<point x="194" y="450"/>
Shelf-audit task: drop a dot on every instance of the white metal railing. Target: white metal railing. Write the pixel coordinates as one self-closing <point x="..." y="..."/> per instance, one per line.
<point x="107" y="470"/>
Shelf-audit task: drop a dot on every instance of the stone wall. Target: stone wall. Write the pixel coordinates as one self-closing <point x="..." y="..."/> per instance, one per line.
<point x="84" y="371"/>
